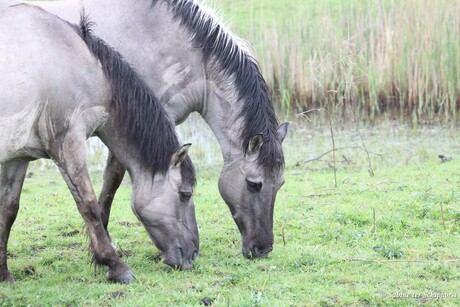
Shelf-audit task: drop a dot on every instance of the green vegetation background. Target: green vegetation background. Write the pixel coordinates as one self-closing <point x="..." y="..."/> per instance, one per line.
<point x="388" y="239"/>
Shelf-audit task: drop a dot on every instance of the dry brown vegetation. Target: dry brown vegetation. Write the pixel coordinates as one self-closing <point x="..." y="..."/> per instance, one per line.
<point x="391" y="59"/>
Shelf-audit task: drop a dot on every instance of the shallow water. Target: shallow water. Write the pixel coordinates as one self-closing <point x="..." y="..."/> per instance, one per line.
<point x="308" y="146"/>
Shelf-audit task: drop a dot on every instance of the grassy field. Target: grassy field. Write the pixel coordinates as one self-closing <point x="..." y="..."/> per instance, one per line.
<point x="389" y="239"/>
<point x="349" y="239"/>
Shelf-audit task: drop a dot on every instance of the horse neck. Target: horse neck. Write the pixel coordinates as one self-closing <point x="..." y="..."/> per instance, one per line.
<point x="148" y="39"/>
<point x="221" y="110"/>
<point x="178" y="76"/>
<point x="120" y="148"/>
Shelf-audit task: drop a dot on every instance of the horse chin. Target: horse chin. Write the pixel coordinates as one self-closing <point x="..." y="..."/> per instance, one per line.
<point x="177" y="256"/>
<point x="178" y="264"/>
<point x="252" y="251"/>
<point x="176" y="260"/>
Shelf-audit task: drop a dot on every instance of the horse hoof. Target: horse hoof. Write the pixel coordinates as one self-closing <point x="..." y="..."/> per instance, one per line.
<point x="123" y="278"/>
<point x="126" y="278"/>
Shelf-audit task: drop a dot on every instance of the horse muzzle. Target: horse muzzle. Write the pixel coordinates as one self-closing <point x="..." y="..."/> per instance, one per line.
<point x="256" y="251"/>
<point x="180" y="260"/>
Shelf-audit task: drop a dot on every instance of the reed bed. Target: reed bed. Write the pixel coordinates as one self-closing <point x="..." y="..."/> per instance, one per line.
<point x="361" y="59"/>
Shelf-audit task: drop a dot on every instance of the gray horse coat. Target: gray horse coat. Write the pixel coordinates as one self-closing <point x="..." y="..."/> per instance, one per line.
<point x="195" y="65"/>
<point x="57" y="90"/>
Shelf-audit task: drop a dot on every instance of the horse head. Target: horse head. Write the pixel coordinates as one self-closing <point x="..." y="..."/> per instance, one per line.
<point x="250" y="189"/>
<point x="166" y="209"/>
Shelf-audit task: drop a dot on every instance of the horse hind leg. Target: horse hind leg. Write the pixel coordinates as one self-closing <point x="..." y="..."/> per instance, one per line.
<point x="71" y="160"/>
<point x="12" y="176"/>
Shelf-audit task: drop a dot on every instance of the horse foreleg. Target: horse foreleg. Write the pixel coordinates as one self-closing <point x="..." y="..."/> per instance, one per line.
<point x="71" y="160"/>
<point x="113" y="176"/>
<point x="11" y="179"/>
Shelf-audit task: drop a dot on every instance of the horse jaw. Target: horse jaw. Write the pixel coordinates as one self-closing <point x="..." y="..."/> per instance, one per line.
<point x="172" y="227"/>
<point x="252" y="210"/>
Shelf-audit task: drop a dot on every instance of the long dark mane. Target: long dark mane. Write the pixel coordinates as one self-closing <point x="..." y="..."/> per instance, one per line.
<point x="257" y="111"/>
<point x="138" y="114"/>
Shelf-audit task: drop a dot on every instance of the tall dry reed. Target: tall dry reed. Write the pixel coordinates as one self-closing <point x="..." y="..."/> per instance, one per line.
<point x="396" y="59"/>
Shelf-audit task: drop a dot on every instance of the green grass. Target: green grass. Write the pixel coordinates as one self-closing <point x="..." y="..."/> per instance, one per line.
<point x="391" y="239"/>
<point x="329" y="249"/>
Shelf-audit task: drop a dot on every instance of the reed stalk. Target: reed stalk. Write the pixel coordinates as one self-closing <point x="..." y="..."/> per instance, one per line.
<point x="391" y="59"/>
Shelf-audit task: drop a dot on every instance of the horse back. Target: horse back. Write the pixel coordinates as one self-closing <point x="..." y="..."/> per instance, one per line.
<point x="47" y="75"/>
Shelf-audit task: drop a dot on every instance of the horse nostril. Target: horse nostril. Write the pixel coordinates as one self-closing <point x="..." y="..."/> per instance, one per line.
<point x="194" y="255"/>
<point x="256" y="251"/>
<point x="267" y="251"/>
<point x="186" y="266"/>
<point x="259" y="251"/>
<point x="180" y="255"/>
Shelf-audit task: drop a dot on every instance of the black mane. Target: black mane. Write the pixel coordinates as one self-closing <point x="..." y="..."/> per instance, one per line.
<point x="217" y="45"/>
<point x="138" y="113"/>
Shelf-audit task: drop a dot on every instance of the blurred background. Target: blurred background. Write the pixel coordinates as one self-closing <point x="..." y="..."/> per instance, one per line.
<point x="380" y="78"/>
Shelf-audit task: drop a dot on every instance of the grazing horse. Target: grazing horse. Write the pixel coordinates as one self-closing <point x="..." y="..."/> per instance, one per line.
<point x="195" y="65"/>
<point x="60" y="85"/>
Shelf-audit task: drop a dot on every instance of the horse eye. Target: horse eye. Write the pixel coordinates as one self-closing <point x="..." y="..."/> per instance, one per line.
<point x="254" y="186"/>
<point x="185" y="196"/>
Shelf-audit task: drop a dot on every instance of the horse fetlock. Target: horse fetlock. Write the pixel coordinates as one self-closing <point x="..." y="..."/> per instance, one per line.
<point x="6" y="276"/>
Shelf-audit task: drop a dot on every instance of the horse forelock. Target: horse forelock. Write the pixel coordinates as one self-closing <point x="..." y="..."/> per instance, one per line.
<point x="139" y="116"/>
<point x="235" y="61"/>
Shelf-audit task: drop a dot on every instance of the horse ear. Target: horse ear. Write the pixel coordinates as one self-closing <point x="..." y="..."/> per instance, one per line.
<point x="180" y="155"/>
<point x="282" y="131"/>
<point x="255" y="143"/>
